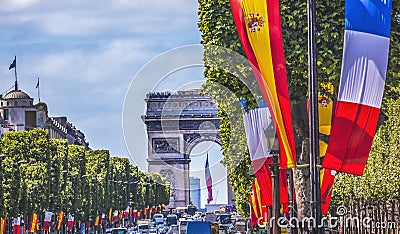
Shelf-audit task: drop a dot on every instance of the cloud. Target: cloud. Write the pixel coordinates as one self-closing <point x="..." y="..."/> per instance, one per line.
<point x="93" y="17"/>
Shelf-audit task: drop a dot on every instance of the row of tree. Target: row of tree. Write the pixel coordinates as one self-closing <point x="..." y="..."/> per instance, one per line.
<point x="38" y="173"/>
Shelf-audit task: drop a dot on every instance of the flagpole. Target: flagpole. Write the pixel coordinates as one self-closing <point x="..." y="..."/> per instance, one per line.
<point x="15" y="73"/>
<point x="38" y="88"/>
<point x="313" y="120"/>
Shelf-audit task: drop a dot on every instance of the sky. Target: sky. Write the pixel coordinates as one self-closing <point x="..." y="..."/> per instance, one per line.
<point x="87" y="55"/>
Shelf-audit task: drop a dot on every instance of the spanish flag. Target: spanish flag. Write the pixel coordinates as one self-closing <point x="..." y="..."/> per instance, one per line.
<point x="254" y="206"/>
<point x="3" y="226"/>
<point x="97" y="221"/>
<point x="34" y="223"/>
<point x="253" y="217"/>
<point x="110" y="215"/>
<point x="259" y="28"/>
<point x="60" y="220"/>
<point x="325" y="107"/>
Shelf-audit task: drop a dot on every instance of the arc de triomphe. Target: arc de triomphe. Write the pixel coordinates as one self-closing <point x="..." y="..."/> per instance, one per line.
<point x="176" y="123"/>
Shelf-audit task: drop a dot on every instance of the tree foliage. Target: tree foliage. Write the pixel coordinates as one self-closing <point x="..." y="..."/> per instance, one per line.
<point x="38" y="173"/>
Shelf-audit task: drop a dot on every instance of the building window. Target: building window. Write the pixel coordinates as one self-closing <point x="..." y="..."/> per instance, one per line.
<point x="15" y="103"/>
<point x="5" y="114"/>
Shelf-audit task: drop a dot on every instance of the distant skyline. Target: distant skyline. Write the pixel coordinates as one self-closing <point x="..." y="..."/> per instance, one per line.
<point x="86" y="54"/>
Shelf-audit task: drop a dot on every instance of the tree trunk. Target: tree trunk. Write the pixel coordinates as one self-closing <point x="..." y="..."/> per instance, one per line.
<point x="302" y="175"/>
<point x="302" y="183"/>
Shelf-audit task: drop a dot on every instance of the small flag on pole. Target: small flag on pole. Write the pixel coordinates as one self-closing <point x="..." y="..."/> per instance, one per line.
<point x="37" y="84"/>
<point x="70" y="222"/>
<point x="47" y="220"/>
<point x="34" y="223"/>
<point x="13" y="64"/>
<point x="208" y="181"/>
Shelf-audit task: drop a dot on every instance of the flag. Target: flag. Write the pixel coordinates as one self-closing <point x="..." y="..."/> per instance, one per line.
<point x="47" y="220"/>
<point x="257" y="197"/>
<point x="97" y="221"/>
<point x="115" y="216"/>
<point x="254" y="206"/>
<point x="17" y="225"/>
<point x="110" y="215"/>
<point x="34" y="223"/>
<point x="208" y="181"/>
<point x="70" y="222"/>
<point x="259" y="28"/>
<point x="327" y="181"/>
<point x="103" y="218"/>
<point x="135" y="214"/>
<point x="253" y="217"/>
<point x="3" y="225"/>
<point x="37" y="84"/>
<point x="126" y="213"/>
<point x="364" y="64"/>
<point x="13" y="64"/>
<point x="325" y="107"/>
<point x="256" y="122"/>
<point x="60" y="220"/>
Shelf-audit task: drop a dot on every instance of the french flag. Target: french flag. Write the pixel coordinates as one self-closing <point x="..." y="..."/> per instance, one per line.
<point x="47" y="220"/>
<point x="70" y="222"/>
<point x="365" y="58"/>
<point x="208" y="181"/>
<point x="256" y="121"/>
<point x="17" y="225"/>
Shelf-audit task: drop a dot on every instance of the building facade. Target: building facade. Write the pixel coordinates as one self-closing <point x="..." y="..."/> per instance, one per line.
<point x="18" y="113"/>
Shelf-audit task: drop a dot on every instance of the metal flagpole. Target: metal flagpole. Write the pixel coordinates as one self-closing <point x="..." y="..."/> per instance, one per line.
<point x="313" y="120"/>
<point x="15" y="72"/>
<point x="38" y="88"/>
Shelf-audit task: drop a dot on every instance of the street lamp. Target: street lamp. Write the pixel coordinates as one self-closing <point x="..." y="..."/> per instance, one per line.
<point x="273" y="146"/>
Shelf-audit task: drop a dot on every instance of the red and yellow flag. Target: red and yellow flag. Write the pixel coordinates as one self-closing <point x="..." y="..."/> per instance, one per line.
<point x="254" y="206"/>
<point x="97" y="221"/>
<point x="259" y="28"/>
<point x="110" y="215"/>
<point x="60" y="220"/>
<point x="34" y="223"/>
<point x="3" y="225"/>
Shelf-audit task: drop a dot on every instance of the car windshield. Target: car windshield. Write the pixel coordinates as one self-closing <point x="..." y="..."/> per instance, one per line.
<point x="225" y="219"/>
<point x="118" y="231"/>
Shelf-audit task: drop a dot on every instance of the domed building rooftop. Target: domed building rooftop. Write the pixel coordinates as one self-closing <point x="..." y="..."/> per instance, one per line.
<point x="16" y="94"/>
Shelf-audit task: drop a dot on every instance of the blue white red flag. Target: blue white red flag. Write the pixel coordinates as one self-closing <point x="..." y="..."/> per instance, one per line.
<point x="208" y="181"/>
<point x="365" y="58"/>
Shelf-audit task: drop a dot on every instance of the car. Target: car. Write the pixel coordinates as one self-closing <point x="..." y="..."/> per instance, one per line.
<point x="158" y="219"/>
<point x="171" y="220"/>
<point x="152" y="231"/>
<point x="119" y="230"/>
<point x="143" y="228"/>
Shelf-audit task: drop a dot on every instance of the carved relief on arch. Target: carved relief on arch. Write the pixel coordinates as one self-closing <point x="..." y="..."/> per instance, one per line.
<point x="169" y="176"/>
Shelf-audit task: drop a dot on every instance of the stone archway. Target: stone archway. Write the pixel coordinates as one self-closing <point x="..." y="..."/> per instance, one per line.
<point x="175" y="124"/>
